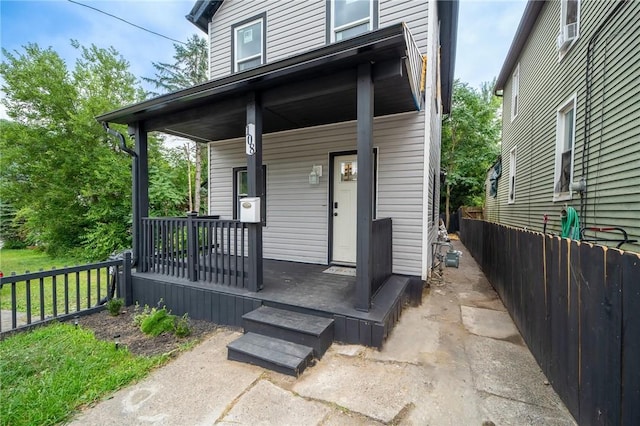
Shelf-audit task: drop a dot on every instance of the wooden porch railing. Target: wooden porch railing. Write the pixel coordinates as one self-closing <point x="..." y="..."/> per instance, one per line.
<point x="382" y="252"/>
<point x="198" y="248"/>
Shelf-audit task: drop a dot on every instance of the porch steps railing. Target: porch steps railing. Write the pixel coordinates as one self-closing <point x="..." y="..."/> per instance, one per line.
<point x="197" y="248"/>
<point x="281" y="340"/>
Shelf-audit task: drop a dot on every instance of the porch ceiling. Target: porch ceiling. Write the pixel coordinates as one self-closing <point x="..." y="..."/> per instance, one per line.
<point x="314" y="88"/>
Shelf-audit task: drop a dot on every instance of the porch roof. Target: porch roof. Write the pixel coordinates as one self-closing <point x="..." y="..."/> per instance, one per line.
<point x="313" y="88"/>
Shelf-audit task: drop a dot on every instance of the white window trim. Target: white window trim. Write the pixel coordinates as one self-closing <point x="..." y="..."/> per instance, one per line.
<point x="571" y="102"/>
<point x="349" y="25"/>
<point x="512" y="175"/>
<point x="562" y="52"/>
<point x="515" y="93"/>
<point x="236" y="61"/>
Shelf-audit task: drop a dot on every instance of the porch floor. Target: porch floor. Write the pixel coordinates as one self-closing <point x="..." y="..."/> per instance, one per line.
<point x="306" y="288"/>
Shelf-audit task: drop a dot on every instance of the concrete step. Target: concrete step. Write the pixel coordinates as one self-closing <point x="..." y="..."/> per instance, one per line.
<point x="304" y="329"/>
<point x="268" y="352"/>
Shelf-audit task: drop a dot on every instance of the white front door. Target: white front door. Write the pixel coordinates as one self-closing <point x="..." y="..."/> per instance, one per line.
<point x="344" y="208"/>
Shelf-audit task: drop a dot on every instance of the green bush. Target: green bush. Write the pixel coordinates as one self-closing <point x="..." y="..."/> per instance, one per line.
<point x="182" y="326"/>
<point x="157" y="320"/>
<point x="115" y="305"/>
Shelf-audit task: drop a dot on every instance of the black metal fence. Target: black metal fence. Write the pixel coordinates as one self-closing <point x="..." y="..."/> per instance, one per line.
<point x="35" y="298"/>
<point x="577" y="306"/>
<point x="382" y="240"/>
<point x="196" y="248"/>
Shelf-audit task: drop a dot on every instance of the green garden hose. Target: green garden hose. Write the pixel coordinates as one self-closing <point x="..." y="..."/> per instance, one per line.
<point x="570" y="223"/>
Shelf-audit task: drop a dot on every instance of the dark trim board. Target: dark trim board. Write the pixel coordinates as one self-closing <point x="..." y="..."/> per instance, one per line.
<point x="226" y="305"/>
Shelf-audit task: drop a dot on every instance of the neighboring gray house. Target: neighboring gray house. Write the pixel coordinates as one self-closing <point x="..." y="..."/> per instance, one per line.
<point x="322" y="120"/>
<point x="571" y="113"/>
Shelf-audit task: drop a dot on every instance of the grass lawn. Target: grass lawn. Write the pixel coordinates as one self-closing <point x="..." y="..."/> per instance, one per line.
<point x="20" y="261"/>
<point x="48" y="373"/>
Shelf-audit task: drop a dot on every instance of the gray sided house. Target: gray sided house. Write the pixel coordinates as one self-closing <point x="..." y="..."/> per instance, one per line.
<point x="571" y="120"/>
<point x="322" y="122"/>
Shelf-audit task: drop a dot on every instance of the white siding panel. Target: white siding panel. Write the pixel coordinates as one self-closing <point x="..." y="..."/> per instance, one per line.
<point x="297" y="213"/>
<point x="296" y="26"/>
<point x="293" y="27"/>
<point x="412" y="12"/>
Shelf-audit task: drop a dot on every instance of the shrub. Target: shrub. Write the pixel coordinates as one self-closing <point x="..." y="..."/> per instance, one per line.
<point x="115" y="305"/>
<point x="157" y="320"/>
<point x="182" y="326"/>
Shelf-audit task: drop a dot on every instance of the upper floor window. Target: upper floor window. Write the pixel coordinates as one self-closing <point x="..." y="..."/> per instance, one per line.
<point x="248" y="43"/>
<point x="515" y="92"/>
<point x="349" y="18"/>
<point x="569" y="24"/>
<point x="565" y="141"/>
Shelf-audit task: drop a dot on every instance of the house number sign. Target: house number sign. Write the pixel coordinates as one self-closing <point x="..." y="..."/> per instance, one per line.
<point x="250" y="138"/>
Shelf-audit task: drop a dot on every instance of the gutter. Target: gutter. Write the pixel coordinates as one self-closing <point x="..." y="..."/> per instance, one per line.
<point x="121" y="142"/>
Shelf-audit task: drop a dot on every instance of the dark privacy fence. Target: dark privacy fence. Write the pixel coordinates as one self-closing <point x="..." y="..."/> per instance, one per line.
<point x="577" y="307"/>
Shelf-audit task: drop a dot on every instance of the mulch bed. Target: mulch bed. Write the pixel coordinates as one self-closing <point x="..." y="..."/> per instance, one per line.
<point x="106" y="326"/>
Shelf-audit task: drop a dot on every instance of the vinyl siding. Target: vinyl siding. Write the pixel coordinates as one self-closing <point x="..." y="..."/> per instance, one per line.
<point x="296" y="26"/>
<point x="297" y="213"/>
<point x="613" y="178"/>
<point x="433" y="126"/>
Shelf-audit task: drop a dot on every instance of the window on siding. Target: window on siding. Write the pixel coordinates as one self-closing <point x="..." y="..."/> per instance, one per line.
<point x="241" y="190"/>
<point x="515" y="93"/>
<point x="565" y="141"/>
<point x="569" y="25"/>
<point x="349" y="18"/>
<point x="512" y="175"/>
<point x="249" y="43"/>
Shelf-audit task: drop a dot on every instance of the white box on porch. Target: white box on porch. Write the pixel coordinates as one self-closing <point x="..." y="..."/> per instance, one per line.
<point x="250" y="210"/>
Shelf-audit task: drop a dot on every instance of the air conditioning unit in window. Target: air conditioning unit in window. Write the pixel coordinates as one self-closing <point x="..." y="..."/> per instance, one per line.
<point x="568" y="33"/>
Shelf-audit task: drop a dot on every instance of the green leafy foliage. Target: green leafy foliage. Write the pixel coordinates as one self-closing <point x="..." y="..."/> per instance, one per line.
<point x="188" y="69"/>
<point x="182" y="326"/>
<point x="157" y="320"/>
<point x="470" y="144"/>
<point x="66" y="180"/>
<point x="11" y="233"/>
<point x="114" y="306"/>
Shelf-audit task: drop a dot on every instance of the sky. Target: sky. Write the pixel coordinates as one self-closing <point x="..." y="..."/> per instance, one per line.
<point x="485" y="31"/>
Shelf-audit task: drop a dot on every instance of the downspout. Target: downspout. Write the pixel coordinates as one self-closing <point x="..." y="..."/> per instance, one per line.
<point x="582" y="187"/>
<point x="134" y="183"/>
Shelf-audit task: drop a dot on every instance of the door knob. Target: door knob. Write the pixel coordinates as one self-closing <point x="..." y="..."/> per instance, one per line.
<point x="335" y="213"/>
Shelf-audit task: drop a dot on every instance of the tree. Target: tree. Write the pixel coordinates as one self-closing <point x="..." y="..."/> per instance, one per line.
<point x="188" y="69"/>
<point x="470" y="144"/>
<point x="64" y="177"/>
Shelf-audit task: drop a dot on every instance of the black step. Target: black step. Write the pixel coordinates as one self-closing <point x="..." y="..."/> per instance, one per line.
<point x="268" y="352"/>
<point x="308" y="330"/>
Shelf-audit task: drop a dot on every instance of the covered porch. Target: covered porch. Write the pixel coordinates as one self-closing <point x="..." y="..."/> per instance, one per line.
<point x="376" y="74"/>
